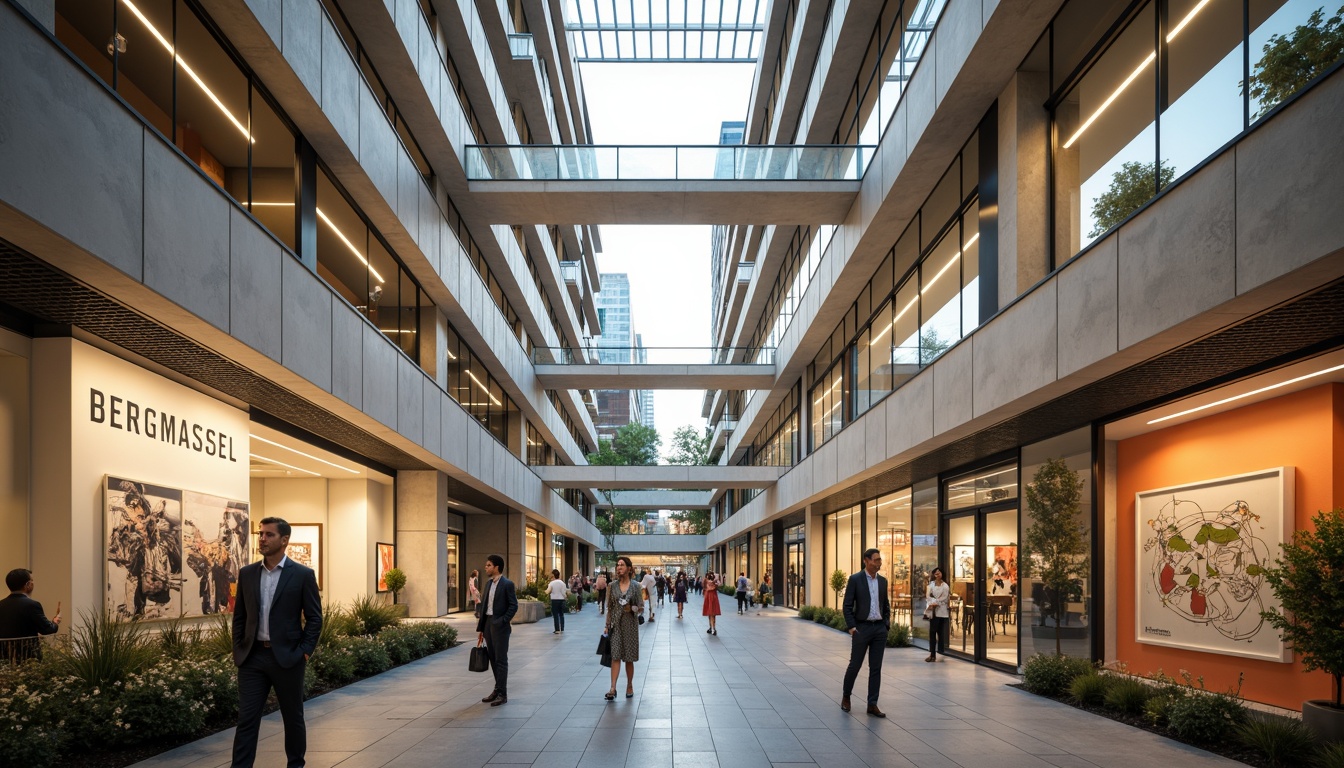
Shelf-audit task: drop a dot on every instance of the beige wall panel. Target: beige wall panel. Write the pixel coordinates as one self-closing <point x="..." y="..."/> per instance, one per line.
<point x="1290" y="184"/>
<point x="1088" y="309"/>
<point x="255" y="264"/>
<point x="1016" y="354"/>
<point x="909" y="414"/>
<point x="377" y="147"/>
<point x="347" y="354"/>
<point x="186" y="235"/>
<point x="952" y="387"/>
<point x="410" y="400"/>
<point x="306" y="315"/>
<point x="1177" y="258"/>
<point x="341" y="87"/>
<point x="957" y="32"/>
<point x="380" y="377"/>
<point x="82" y="134"/>
<point x="301" y="41"/>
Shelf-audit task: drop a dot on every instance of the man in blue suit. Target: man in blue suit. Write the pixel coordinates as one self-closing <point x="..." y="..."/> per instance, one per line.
<point x="271" y="645"/>
<point x="868" y="617"/>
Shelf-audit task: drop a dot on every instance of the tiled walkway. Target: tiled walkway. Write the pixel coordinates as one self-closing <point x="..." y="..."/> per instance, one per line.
<point x="764" y="692"/>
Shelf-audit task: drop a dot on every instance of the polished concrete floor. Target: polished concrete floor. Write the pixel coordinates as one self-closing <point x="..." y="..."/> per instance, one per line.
<point x="764" y="692"/>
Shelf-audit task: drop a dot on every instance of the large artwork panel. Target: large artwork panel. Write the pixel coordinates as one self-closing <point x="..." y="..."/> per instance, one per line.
<point x="215" y="540"/>
<point x="144" y="549"/>
<point x="1202" y="556"/>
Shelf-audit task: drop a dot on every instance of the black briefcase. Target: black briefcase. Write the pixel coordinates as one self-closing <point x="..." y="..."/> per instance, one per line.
<point x="479" y="661"/>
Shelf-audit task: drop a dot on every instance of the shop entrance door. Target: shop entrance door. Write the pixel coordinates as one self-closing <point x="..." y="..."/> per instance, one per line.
<point x="454" y="573"/>
<point x="982" y="558"/>
<point x="795" y="588"/>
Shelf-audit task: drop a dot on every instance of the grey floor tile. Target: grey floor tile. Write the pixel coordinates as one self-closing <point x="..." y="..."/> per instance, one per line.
<point x="764" y="693"/>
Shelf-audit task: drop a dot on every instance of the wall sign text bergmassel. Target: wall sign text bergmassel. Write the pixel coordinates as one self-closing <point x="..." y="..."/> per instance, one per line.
<point x="120" y="413"/>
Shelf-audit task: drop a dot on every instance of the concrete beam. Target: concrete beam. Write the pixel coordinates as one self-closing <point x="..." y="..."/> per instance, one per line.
<point x="660" y="543"/>
<point x="664" y="202"/>
<point x="661" y="476"/>
<point x="655" y="376"/>
<point x="658" y="500"/>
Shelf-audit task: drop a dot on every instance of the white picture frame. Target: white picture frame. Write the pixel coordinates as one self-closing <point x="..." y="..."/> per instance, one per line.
<point x="1200" y="553"/>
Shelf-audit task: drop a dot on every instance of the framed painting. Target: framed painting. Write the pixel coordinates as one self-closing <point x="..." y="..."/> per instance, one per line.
<point x="387" y="560"/>
<point x="215" y="541"/>
<point x="963" y="562"/>
<point x="305" y="546"/>
<point x="1202" y="552"/>
<point x="143" y="565"/>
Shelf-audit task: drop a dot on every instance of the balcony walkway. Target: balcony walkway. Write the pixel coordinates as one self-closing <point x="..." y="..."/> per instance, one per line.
<point x="660" y="476"/>
<point x="655" y="376"/>
<point x="763" y="693"/>
<point x="573" y="184"/>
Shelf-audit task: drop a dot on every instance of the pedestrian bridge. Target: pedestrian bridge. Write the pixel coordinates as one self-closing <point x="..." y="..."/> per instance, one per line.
<point x="673" y="476"/>
<point x="682" y="499"/>
<point x="761" y="184"/>
<point x="599" y="367"/>
<point x="660" y="543"/>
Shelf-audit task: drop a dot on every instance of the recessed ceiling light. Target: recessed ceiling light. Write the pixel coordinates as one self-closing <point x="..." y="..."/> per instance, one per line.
<point x="283" y="464"/>
<point x="1227" y="400"/>
<point x="305" y="455"/>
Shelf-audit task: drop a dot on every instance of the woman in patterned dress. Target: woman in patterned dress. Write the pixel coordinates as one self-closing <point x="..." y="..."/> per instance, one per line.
<point x="711" y="606"/>
<point x="624" y="607"/>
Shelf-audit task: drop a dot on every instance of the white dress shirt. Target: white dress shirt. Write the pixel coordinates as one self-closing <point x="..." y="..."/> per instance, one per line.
<point x="490" y="597"/>
<point x="270" y="579"/>
<point x="874" y="597"/>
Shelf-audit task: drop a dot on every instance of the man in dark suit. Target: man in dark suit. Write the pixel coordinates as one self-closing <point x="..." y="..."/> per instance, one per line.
<point x="500" y="603"/>
<point x="21" y="617"/>
<point x="270" y="645"/>
<point x="868" y="617"/>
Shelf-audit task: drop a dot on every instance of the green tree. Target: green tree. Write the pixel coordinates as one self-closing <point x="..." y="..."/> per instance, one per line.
<point x="931" y="346"/>
<point x="1308" y="580"/>
<point x="691" y="447"/>
<point x="1289" y="62"/>
<point x="1131" y="186"/>
<point x="1054" y="546"/>
<point x="838" y="580"/>
<point x="633" y="445"/>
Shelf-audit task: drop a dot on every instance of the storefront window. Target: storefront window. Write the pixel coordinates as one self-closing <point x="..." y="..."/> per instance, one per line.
<point x="888" y="520"/>
<point x="1075" y="631"/>
<point x="924" y="551"/>
<point x="795" y="566"/>
<point x="843" y="548"/>
<point x="558" y="553"/>
<point x="983" y="487"/>
<point x="532" y="554"/>
<point x="982" y="552"/>
<point x="738" y="555"/>
<point x="765" y="559"/>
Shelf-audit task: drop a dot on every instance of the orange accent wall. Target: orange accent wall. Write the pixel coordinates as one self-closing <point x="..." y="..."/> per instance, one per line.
<point x="1304" y="430"/>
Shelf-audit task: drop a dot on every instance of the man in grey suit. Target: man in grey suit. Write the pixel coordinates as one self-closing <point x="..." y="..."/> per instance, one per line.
<point x="868" y="617"/>
<point x="499" y="603"/>
<point x="271" y="645"/>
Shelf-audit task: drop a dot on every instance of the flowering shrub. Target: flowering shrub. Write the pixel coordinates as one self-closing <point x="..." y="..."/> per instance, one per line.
<point x="334" y="664"/>
<point x="404" y="643"/>
<point x="371" y="656"/>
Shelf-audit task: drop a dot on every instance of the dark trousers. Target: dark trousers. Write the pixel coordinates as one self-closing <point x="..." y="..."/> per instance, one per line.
<point x="558" y="614"/>
<point x="871" y="638"/>
<point x="258" y="674"/>
<point x="938" y="635"/>
<point x="497" y="648"/>
<point x="741" y="601"/>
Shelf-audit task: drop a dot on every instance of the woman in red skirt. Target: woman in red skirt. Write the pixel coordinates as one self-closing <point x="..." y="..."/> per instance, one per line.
<point x="711" y="608"/>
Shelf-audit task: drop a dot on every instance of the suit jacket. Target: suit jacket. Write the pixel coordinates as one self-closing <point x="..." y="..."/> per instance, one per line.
<point x="22" y="616"/>
<point x="858" y="602"/>
<point x="506" y="604"/>
<point x="296" y="595"/>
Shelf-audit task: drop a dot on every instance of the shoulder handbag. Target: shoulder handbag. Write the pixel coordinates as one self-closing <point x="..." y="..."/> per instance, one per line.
<point x="479" y="660"/>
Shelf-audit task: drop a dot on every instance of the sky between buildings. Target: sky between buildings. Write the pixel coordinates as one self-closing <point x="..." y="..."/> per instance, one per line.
<point x="669" y="266"/>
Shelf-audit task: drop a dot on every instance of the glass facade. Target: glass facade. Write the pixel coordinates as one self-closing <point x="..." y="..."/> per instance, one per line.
<point x="795" y="565"/>
<point x="1175" y="82"/>
<point x="843" y="552"/>
<point x="765" y="558"/>
<point x="532" y="554"/>
<point x="982" y="550"/>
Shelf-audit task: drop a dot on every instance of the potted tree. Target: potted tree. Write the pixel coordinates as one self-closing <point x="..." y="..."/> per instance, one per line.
<point x="838" y="580"/>
<point x="395" y="579"/>
<point x="1055" y="547"/>
<point x="1308" y="580"/>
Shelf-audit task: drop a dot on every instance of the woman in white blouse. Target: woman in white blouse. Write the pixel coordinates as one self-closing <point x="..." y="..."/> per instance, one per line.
<point x="939" y="596"/>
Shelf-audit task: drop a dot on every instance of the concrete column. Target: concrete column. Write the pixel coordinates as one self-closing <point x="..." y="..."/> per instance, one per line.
<point x="422" y="540"/>
<point x="1024" y="254"/>
<point x="501" y="535"/>
<point x="816" y="589"/>
<point x="53" y="496"/>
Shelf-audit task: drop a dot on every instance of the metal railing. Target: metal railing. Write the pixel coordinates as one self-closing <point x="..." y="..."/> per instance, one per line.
<point x="597" y="354"/>
<point x="17" y="650"/>
<point x="498" y="162"/>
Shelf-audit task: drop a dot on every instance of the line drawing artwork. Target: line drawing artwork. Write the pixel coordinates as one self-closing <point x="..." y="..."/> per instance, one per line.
<point x="1209" y="567"/>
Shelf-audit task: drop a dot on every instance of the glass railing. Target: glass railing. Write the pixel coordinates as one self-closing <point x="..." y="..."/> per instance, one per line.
<point x="601" y="355"/>
<point x="666" y="163"/>
<point x="521" y="46"/>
